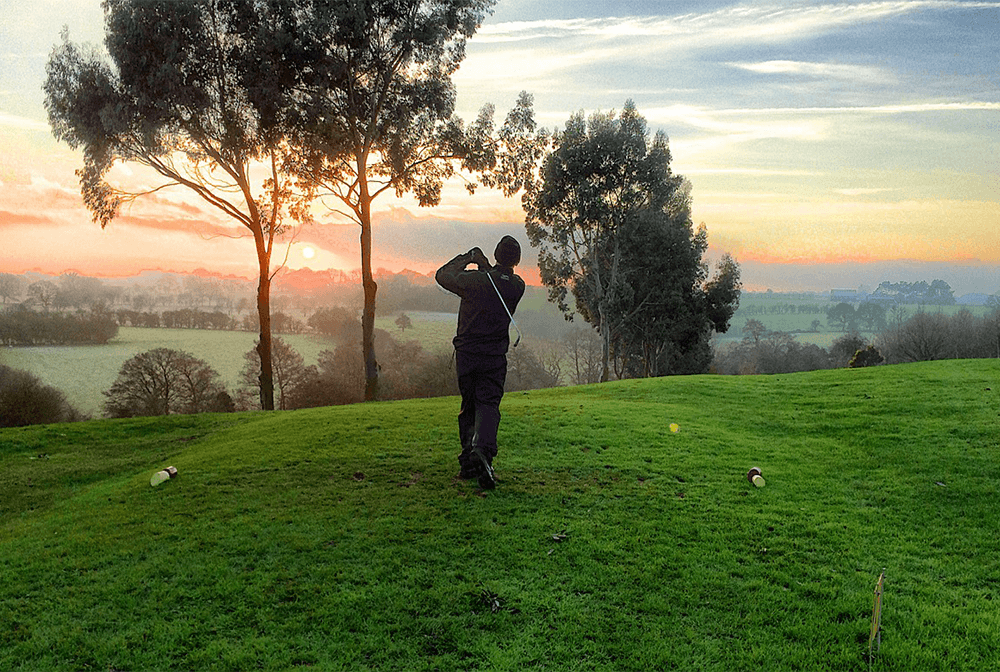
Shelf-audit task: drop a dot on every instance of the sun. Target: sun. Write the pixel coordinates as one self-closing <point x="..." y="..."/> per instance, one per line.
<point x="308" y="252"/>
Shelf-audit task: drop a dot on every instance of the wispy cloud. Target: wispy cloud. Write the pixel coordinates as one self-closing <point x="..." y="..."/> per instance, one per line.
<point x="840" y="71"/>
<point x="914" y="108"/>
<point x="861" y="191"/>
<point x="739" y="24"/>
<point x="547" y="55"/>
<point x="750" y="172"/>
<point x="11" y="121"/>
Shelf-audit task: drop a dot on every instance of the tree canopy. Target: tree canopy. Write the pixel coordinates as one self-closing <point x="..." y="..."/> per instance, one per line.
<point x="201" y="92"/>
<point x="164" y="381"/>
<point x="379" y="117"/>
<point x="613" y="226"/>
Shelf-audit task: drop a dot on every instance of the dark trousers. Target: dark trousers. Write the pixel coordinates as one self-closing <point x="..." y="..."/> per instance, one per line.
<point x="480" y="381"/>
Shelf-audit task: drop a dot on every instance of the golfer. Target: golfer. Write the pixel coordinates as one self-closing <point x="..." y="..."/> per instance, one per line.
<point x="489" y="297"/>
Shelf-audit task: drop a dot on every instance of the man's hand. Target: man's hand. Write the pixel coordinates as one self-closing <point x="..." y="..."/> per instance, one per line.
<point x="480" y="259"/>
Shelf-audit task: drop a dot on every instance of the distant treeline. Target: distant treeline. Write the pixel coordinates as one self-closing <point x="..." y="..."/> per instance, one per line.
<point x="782" y="309"/>
<point x="73" y="292"/>
<point x="937" y="293"/>
<point x="25" y="327"/>
<point x="185" y="318"/>
<point x="191" y="318"/>
<point x="925" y="336"/>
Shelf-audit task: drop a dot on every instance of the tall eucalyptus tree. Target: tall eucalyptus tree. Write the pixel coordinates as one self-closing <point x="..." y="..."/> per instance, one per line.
<point x="380" y="117"/>
<point x="201" y="92"/>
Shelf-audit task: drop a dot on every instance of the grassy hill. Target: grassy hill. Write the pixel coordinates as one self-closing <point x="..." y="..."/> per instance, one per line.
<point x="339" y="539"/>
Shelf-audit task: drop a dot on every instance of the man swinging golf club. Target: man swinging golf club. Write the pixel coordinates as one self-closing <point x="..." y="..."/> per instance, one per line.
<point x="489" y="297"/>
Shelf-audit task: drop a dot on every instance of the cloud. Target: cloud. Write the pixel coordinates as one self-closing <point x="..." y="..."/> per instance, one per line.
<point x="741" y="24"/>
<point x="861" y="191"/>
<point x="8" y="218"/>
<point x="910" y="108"/>
<point x="22" y="123"/>
<point x="194" y="227"/>
<point x="841" y="71"/>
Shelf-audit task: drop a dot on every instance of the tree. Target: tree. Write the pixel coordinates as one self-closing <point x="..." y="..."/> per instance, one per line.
<point x="842" y="315"/>
<point x="583" y="348"/>
<point x="199" y="92"/>
<point x="871" y="315"/>
<point x="164" y="381"/>
<point x="527" y="372"/>
<point x="940" y="293"/>
<point x="924" y="337"/>
<point x="869" y="356"/>
<point x="11" y="286"/>
<point x="78" y="292"/>
<point x="44" y="292"/>
<point x="404" y="322"/>
<point x="386" y="123"/>
<point x="843" y="350"/>
<point x="340" y="323"/>
<point x="665" y="305"/>
<point x="290" y="373"/>
<point x="606" y="203"/>
<point x="753" y="330"/>
<point x="26" y="400"/>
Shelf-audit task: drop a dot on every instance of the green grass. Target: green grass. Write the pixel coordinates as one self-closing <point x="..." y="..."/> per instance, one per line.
<point x="433" y="331"/>
<point x="339" y="539"/>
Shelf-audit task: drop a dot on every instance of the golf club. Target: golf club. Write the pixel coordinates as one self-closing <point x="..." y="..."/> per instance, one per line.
<point x="505" y="308"/>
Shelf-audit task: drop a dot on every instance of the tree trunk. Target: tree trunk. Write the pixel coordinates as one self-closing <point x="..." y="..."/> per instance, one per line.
<point x="370" y="289"/>
<point x="605" y="345"/>
<point x="264" y="344"/>
<point x="264" y="316"/>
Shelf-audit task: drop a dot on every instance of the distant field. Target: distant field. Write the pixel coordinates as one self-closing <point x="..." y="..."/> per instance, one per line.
<point x="84" y="372"/>
<point x="766" y="309"/>
<point x="433" y="331"/>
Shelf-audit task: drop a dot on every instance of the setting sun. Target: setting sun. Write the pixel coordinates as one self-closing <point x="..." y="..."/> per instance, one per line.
<point x="308" y="252"/>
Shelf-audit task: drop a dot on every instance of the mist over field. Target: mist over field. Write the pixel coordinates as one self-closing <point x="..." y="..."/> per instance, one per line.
<point x="795" y="330"/>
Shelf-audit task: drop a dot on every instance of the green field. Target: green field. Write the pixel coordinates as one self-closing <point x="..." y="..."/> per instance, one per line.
<point x="83" y="372"/>
<point x="762" y="307"/>
<point x="339" y="538"/>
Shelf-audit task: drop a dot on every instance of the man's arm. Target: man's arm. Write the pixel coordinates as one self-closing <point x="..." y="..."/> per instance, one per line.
<point x="448" y="275"/>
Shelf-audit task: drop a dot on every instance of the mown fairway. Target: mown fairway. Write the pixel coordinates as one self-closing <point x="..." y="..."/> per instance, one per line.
<point x="339" y="539"/>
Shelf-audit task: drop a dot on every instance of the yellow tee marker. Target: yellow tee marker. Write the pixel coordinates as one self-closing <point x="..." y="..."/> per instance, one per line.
<point x="674" y="427"/>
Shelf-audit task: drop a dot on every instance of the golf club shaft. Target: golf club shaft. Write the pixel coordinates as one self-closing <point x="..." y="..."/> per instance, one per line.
<point x="512" y="321"/>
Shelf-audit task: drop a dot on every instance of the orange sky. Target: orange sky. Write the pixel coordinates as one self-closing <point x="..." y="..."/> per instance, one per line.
<point x="816" y="135"/>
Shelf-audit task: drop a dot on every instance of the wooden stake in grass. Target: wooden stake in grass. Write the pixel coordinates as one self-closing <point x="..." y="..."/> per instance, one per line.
<point x="875" y="638"/>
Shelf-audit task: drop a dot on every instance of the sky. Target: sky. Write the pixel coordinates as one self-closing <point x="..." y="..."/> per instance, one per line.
<point x="829" y="144"/>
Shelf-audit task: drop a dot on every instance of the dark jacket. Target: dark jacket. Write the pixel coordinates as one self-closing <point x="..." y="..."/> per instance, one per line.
<point x="482" y="320"/>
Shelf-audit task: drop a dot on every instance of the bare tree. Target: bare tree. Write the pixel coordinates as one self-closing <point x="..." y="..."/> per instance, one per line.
<point x="11" y="286"/>
<point x="164" y="381"/>
<point x="290" y="373"/>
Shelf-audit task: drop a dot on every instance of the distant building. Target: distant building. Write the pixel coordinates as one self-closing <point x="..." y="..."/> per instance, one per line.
<point x="844" y="295"/>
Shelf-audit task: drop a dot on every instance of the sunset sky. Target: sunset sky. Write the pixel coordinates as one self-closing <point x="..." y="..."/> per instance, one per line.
<point x="829" y="144"/>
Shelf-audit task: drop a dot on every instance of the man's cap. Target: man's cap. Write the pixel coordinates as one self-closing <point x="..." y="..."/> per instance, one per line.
<point x="508" y="252"/>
